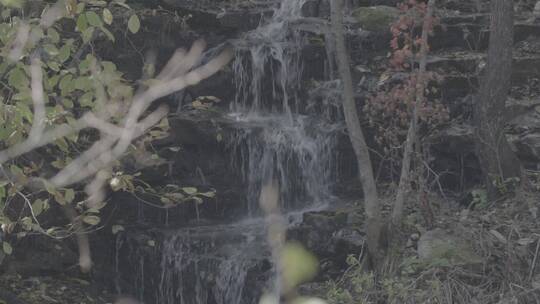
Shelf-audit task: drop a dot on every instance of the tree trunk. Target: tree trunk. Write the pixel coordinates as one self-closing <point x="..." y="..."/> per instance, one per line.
<point x="356" y="135"/>
<point x="498" y="162"/>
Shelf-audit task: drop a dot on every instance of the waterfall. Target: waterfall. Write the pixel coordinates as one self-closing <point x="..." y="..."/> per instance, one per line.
<point x="280" y="133"/>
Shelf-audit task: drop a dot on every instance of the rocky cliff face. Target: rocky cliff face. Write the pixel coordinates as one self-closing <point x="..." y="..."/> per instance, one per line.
<point x="458" y="47"/>
<point x="200" y="253"/>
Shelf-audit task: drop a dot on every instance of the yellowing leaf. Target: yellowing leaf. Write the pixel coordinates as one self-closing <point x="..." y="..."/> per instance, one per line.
<point x="117" y="228"/>
<point x="305" y="300"/>
<point x="209" y="194"/>
<point x="107" y="33"/>
<point x="107" y="16"/>
<point x="91" y="220"/>
<point x="299" y="265"/>
<point x="190" y="190"/>
<point x="7" y="248"/>
<point x="134" y="24"/>
<point x="69" y="195"/>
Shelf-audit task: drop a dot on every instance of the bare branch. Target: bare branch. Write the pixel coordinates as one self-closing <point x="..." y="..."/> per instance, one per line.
<point x="115" y="138"/>
<point x="20" y="42"/>
<point x="38" y="98"/>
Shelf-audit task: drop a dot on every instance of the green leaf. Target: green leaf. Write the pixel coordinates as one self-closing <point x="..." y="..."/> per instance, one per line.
<point x="66" y="85"/>
<point x="67" y="103"/>
<point x="26" y="223"/>
<point x="53" y="35"/>
<point x="117" y="228"/>
<point x="87" y="100"/>
<point x="107" y="16"/>
<point x="51" y="49"/>
<point x="64" y="53"/>
<point x="93" y="19"/>
<point x="82" y="23"/>
<point x="197" y="199"/>
<point x="87" y="34"/>
<point x="84" y="83"/>
<point x="23" y="96"/>
<point x="62" y="144"/>
<point x="59" y="198"/>
<point x="134" y="24"/>
<point x="58" y="164"/>
<point x="38" y="206"/>
<point x="51" y="231"/>
<point x="91" y="220"/>
<point x="108" y="66"/>
<point x="12" y="3"/>
<point x="208" y="194"/>
<point x="55" y="66"/>
<point x="80" y="7"/>
<point x="2" y="192"/>
<point x="25" y="111"/>
<point x="69" y="195"/>
<point x="166" y="200"/>
<point x="189" y="190"/>
<point x="53" y="81"/>
<point x="16" y="171"/>
<point x="17" y="78"/>
<point x="7" y="248"/>
<point x="122" y="3"/>
<point x="51" y="189"/>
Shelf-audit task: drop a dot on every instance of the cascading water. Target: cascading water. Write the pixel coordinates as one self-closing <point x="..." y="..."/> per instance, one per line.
<point x="280" y="134"/>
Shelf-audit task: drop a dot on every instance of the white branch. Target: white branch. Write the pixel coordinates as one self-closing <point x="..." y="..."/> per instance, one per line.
<point x="97" y="160"/>
<point x="38" y="98"/>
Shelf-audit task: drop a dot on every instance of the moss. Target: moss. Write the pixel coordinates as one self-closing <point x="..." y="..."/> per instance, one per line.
<point x="376" y="18"/>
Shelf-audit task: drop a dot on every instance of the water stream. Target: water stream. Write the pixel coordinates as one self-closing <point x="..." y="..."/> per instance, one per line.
<point x="280" y="133"/>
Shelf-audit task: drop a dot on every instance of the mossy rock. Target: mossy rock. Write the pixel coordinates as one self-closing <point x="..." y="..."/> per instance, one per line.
<point x="376" y="18"/>
<point x="438" y="248"/>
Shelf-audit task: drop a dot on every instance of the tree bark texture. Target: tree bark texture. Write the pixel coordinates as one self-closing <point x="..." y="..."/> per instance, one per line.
<point x="356" y="135"/>
<point x="497" y="160"/>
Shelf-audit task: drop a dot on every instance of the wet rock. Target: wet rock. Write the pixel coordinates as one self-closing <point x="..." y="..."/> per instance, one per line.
<point x="528" y="146"/>
<point x="376" y="18"/>
<point x="438" y="246"/>
<point x="39" y="255"/>
<point x="325" y="220"/>
<point x="329" y="236"/>
<point x="455" y="138"/>
<point x="347" y="240"/>
<point x="239" y="17"/>
<point x="523" y="114"/>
